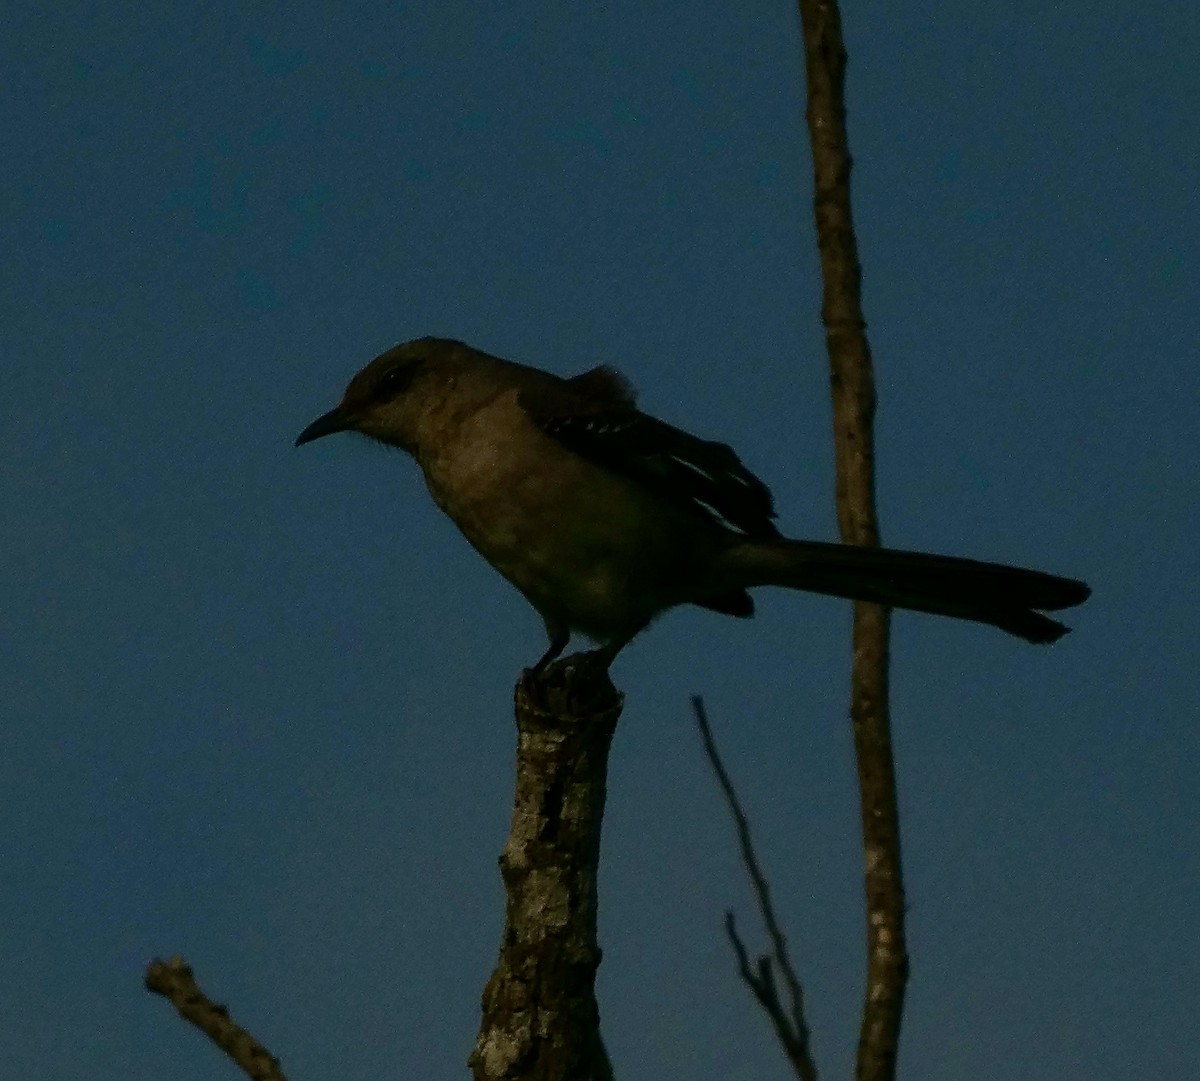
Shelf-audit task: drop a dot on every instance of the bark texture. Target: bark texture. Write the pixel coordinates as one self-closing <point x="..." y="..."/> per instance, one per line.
<point x="540" y="1019"/>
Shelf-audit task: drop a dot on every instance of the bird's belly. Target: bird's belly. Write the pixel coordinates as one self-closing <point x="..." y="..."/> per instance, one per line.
<point x="588" y="549"/>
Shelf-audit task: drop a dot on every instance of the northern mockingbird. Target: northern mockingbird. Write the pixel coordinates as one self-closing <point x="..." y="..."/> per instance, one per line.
<point x="604" y="517"/>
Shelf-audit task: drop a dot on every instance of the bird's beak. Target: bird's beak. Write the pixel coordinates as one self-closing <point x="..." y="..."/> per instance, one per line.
<point x="335" y="420"/>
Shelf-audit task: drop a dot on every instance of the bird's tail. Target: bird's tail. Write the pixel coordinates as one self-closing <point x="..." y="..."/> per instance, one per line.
<point x="1005" y="597"/>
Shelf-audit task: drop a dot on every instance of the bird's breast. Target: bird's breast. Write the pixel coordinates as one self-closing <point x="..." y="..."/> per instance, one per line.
<point x="585" y="546"/>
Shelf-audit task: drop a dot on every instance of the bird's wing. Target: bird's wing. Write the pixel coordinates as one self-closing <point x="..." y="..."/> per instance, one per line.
<point x="594" y="415"/>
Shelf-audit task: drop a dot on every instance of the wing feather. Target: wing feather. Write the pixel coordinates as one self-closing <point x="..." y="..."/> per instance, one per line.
<point x="594" y="415"/>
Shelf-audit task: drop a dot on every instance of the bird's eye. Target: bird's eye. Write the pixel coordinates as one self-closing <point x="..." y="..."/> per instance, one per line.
<point x="394" y="380"/>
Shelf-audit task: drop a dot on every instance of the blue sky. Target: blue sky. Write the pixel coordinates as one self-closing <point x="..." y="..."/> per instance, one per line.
<point x="257" y="700"/>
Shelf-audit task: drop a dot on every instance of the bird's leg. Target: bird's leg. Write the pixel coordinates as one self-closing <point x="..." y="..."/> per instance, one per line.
<point x="559" y="637"/>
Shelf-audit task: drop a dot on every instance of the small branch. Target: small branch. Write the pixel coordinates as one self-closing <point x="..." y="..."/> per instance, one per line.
<point x="173" y="980"/>
<point x="790" y="1025"/>
<point x="853" y="388"/>
<point x="540" y="1018"/>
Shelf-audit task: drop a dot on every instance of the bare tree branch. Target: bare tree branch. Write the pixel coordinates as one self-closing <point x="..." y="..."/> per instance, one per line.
<point x="173" y="980"/>
<point x="853" y="388"/>
<point x="540" y="1018"/>
<point x="790" y="1024"/>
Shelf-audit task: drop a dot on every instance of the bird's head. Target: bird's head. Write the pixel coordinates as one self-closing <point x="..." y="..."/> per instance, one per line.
<point x="389" y="397"/>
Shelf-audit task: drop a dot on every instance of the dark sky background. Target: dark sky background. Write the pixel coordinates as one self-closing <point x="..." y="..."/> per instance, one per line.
<point x="256" y="700"/>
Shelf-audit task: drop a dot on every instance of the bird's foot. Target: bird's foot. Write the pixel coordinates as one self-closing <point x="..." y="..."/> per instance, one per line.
<point x="579" y="682"/>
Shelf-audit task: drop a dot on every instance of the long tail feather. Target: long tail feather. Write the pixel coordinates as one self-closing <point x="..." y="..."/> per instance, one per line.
<point x="1002" y="596"/>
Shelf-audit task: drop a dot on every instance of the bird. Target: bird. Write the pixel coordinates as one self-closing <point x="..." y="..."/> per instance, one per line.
<point x="604" y="516"/>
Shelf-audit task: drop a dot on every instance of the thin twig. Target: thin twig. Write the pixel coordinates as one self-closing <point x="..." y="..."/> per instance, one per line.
<point x="790" y="1025"/>
<point x="853" y="388"/>
<point x="173" y="980"/>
